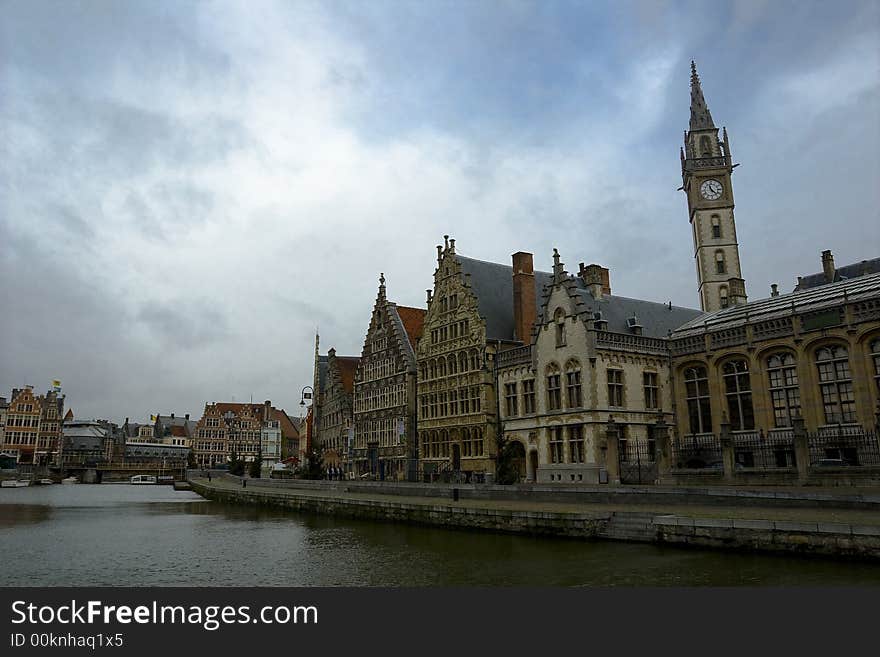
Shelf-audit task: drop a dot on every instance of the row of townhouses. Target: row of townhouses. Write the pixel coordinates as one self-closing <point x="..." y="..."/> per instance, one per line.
<point x="564" y="376"/>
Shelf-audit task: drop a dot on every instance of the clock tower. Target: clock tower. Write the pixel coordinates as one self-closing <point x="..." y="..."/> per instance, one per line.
<point x="706" y="171"/>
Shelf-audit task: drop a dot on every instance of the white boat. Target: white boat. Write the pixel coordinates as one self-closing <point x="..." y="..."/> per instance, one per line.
<point x="45" y="481"/>
<point x="143" y="479"/>
<point x="70" y="480"/>
<point x="15" y="483"/>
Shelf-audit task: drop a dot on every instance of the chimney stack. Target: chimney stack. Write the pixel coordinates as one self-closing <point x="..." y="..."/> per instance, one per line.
<point x="267" y="410"/>
<point x="596" y="278"/>
<point x="187" y="416"/>
<point x="774" y="290"/>
<point x="172" y="416"/>
<point x="828" y="266"/>
<point x="525" y="310"/>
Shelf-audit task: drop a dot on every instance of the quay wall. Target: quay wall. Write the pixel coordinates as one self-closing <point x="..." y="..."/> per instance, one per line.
<point x="822" y="539"/>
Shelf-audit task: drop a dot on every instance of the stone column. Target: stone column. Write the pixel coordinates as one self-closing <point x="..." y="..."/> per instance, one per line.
<point x="728" y="456"/>
<point x="612" y="460"/>
<point x="801" y="449"/>
<point x="662" y="447"/>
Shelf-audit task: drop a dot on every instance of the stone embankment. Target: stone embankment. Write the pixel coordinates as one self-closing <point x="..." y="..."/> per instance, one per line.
<point x="788" y="521"/>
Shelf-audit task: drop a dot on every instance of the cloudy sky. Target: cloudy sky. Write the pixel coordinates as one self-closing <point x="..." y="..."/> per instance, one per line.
<point x="188" y="189"/>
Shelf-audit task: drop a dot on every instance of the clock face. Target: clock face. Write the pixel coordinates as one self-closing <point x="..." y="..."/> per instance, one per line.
<point x="711" y="190"/>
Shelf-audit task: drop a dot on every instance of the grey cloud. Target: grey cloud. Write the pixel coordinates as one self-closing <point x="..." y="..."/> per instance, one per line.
<point x="186" y="323"/>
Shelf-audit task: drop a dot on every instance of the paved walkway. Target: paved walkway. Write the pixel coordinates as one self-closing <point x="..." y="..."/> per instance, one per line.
<point x="817" y="515"/>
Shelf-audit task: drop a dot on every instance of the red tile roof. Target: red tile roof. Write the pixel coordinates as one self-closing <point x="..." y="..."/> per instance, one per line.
<point x="347" y="367"/>
<point x="413" y="321"/>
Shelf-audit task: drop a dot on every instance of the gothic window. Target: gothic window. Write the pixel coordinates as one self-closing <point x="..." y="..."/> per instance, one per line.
<point x="441" y="367"/>
<point x="835" y="384"/>
<point x="720" y="265"/>
<point x="738" y="390"/>
<point x="576" y="443"/>
<point x="722" y="296"/>
<point x="615" y="387"/>
<point x="559" y="320"/>
<point x="651" y="390"/>
<point x="511" y="397"/>
<point x="451" y="364"/>
<point x="784" y="391"/>
<point x="875" y="361"/>
<point x="528" y="396"/>
<point x="557" y="445"/>
<point x="554" y="388"/>
<point x="475" y="359"/>
<point x="462" y="362"/>
<point x="697" y="395"/>
<point x="716" y="226"/>
<point x="705" y="146"/>
<point x="573" y="384"/>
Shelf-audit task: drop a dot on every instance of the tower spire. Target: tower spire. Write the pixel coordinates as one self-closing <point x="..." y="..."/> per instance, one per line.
<point x="701" y="118"/>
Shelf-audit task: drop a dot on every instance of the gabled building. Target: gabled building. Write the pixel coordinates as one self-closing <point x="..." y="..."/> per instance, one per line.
<point x="335" y="408"/>
<point x="33" y="426"/>
<point x="385" y="392"/>
<point x="594" y="360"/>
<point x="476" y="311"/>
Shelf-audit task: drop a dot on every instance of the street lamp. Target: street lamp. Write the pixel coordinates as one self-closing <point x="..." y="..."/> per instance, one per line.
<point x="306" y="395"/>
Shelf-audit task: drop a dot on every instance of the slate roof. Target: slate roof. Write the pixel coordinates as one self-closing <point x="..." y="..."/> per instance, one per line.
<point x="492" y="284"/>
<point x="656" y="319"/>
<point x="322" y="372"/>
<point x="785" y="305"/>
<point x="846" y="272"/>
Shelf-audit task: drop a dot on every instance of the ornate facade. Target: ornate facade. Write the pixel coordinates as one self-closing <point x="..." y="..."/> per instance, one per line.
<point x="336" y="407"/>
<point x="385" y="392"/>
<point x="33" y="426"/>
<point x="594" y="360"/>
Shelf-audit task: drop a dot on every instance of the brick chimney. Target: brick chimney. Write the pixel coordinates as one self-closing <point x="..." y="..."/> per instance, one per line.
<point x="597" y="279"/>
<point x="267" y="410"/>
<point x="525" y="310"/>
<point x="828" y="266"/>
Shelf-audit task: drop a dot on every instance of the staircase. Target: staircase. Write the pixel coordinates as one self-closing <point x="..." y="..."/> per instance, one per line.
<point x="630" y="526"/>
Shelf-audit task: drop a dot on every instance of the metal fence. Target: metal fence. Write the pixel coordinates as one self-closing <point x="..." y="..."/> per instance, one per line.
<point x="843" y="446"/>
<point x="697" y="451"/>
<point x="755" y="449"/>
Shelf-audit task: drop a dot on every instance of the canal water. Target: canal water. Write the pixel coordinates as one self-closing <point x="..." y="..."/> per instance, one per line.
<point x="153" y="536"/>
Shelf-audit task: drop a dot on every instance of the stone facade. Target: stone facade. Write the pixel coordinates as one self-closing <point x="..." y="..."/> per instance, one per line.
<point x="813" y="355"/>
<point x="595" y="360"/>
<point x="336" y="407"/>
<point x="385" y="392"/>
<point x="706" y="169"/>
<point x="33" y="426"/>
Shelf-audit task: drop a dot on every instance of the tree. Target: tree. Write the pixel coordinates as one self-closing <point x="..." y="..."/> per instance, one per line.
<point x="257" y="465"/>
<point x="236" y="465"/>
<point x="506" y="471"/>
<point x="312" y="468"/>
<point x="191" y="460"/>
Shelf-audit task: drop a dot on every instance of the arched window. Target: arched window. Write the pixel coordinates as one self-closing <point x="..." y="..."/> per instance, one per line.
<point x="573" y="383"/>
<point x="559" y="320"/>
<point x="557" y="445"/>
<point x="875" y="361"/>
<point x="451" y="364"/>
<point x="720" y="265"/>
<point x="722" y="296"/>
<point x="738" y="390"/>
<point x="716" y="226"/>
<point x="784" y="391"/>
<point x="696" y="383"/>
<point x="554" y="388"/>
<point x="475" y="359"/>
<point x="462" y="362"/>
<point x="432" y="369"/>
<point x="835" y="384"/>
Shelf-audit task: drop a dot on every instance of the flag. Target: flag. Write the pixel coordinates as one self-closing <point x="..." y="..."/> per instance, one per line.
<point x="56" y="383"/>
<point x="152" y="418"/>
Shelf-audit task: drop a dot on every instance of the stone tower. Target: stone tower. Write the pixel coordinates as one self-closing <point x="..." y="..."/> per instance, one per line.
<point x="706" y="171"/>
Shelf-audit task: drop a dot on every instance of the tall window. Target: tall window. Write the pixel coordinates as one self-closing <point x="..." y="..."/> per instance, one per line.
<point x="784" y="391"/>
<point x="559" y="319"/>
<point x="576" y="443"/>
<point x="573" y="384"/>
<point x="651" y="390"/>
<point x="615" y="387"/>
<point x="835" y="384"/>
<point x="528" y="396"/>
<point x="511" y="397"/>
<point x="557" y="445"/>
<point x="720" y="266"/>
<point x="722" y="296"/>
<point x="696" y="384"/>
<point x="554" y="389"/>
<point x="875" y="360"/>
<point x="716" y="226"/>
<point x="738" y="390"/>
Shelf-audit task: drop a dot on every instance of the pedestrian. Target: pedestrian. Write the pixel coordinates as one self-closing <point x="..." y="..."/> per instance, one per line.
<point x="209" y="475"/>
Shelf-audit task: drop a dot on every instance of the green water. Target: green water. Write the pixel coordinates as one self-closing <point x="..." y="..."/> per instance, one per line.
<point x="151" y="535"/>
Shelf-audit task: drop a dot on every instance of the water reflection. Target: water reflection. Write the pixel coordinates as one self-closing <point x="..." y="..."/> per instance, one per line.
<point x="152" y="535"/>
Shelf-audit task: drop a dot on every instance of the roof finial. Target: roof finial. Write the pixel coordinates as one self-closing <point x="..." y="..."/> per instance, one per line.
<point x="382" y="279"/>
